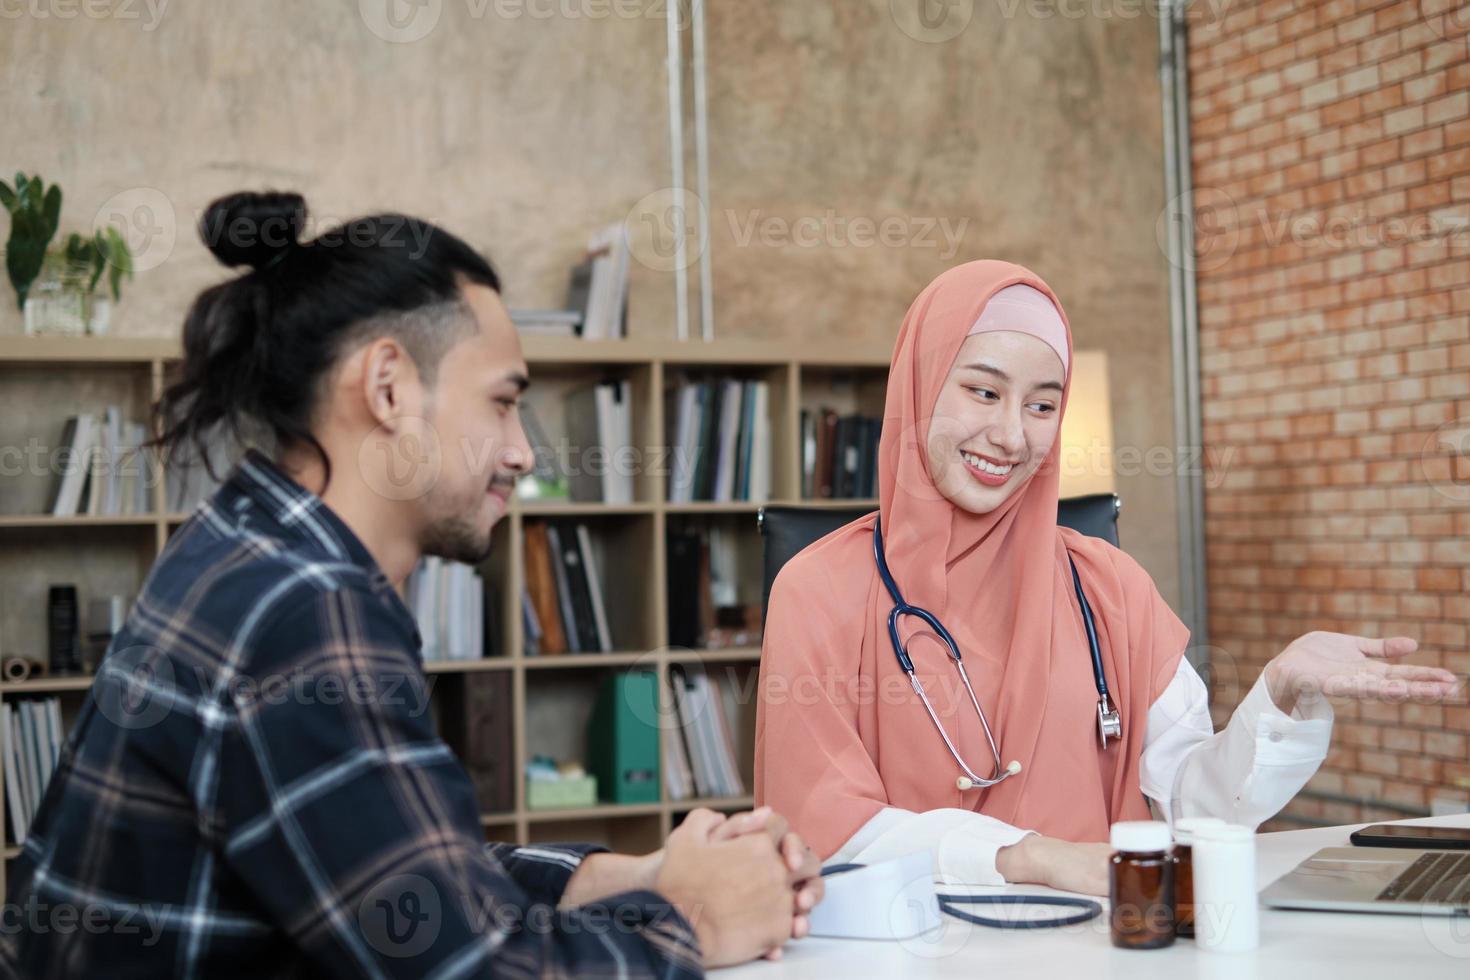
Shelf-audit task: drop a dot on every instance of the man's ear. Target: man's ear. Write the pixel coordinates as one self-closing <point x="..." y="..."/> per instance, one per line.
<point x="390" y="382"/>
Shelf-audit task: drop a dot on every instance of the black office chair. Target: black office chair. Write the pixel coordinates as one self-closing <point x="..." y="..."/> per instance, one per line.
<point x="788" y="529"/>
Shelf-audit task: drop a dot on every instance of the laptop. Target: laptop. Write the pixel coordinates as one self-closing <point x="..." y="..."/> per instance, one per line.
<point x="1376" y="879"/>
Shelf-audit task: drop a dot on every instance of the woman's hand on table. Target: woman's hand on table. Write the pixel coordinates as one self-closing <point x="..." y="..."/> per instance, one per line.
<point x="1060" y="864"/>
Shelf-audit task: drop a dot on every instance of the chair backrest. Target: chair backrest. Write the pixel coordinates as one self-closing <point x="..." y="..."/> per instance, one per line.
<point x="786" y="530"/>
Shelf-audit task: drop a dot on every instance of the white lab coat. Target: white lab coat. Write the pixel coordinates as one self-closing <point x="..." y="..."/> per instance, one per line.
<point x="1244" y="773"/>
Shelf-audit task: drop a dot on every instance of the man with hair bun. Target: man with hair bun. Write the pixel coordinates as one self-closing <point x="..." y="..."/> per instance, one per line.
<point x="220" y="832"/>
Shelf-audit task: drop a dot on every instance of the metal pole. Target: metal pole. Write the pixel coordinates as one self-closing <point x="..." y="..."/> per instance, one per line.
<point x="1183" y="317"/>
<point x="701" y="151"/>
<point x="676" y="153"/>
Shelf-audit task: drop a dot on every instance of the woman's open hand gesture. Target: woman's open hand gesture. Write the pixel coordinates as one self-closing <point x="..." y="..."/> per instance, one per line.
<point x="1340" y="665"/>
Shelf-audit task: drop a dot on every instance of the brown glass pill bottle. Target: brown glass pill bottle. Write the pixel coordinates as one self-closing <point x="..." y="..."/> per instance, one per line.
<point x="1142" y="885"/>
<point x="1184" y="831"/>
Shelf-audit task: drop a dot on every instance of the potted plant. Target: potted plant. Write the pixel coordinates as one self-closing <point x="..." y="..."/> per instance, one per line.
<point x="55" y="287"/>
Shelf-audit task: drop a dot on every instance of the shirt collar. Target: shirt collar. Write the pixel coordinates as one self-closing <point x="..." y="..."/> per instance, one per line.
<point x="301" y="515"/>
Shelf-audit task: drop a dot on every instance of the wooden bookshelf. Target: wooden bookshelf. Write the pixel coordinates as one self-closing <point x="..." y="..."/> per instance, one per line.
<point x="58" y="377"/>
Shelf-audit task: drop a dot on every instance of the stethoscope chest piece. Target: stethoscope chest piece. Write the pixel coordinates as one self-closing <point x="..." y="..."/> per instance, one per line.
<point x="1109" y="721"/>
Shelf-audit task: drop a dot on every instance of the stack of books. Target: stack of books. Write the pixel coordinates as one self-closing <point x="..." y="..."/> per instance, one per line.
<point x="547" y="323"/>
<point x="563" y="607"/>
<point x="447" y="599"/>
<point x="103" y="469"/>
<point x="32" y="734"/>
<point x="721" y="438"/>
<point x="839" y="455"/>
<point x="699" y="759"/>
<point x="600" y="432"/>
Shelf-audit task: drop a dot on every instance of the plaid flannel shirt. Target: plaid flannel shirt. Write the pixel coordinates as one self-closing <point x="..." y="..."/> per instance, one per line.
<point x="254" y="788"/>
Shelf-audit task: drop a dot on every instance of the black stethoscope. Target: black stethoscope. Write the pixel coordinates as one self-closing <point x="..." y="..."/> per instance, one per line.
<point x="1109" y="722"/>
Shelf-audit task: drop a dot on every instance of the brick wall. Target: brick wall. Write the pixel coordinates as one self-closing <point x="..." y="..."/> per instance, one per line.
<point x="1332" y="170"/>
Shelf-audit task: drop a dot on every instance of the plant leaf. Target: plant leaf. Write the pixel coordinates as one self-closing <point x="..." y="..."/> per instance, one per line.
<point x="52" y="212"/>
<point x="120" y="260"/>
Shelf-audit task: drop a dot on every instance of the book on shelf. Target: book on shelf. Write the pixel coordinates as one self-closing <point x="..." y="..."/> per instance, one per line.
<point x="706" y="733"/>
<point x="721" y="435"/>
<point x="564" y="599"/>
<point x="447" y="599"/>
<point x="600" y="430"/>
<point x="540" y="599"/>
<point x="32" y="736"/>
<point x="599" y="285"/>
<point x="547" y="323"/>
<point x="566" y="603"/>
<point x="678" y="776"/>
<point x="839" y="455"/>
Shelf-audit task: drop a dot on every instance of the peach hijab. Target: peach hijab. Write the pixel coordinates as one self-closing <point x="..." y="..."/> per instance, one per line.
<point x="840" y="735"/>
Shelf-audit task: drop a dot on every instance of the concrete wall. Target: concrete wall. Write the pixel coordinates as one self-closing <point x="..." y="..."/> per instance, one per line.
<point x="1006" y="130"/>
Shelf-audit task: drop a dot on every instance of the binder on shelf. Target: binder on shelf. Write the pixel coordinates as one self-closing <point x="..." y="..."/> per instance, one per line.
<point x="622" y="738"/>
<point x="600" y="429"/>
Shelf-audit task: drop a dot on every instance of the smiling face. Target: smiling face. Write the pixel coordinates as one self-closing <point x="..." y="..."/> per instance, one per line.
<point x="475" y="411"/>
<point x="995" y="418"/>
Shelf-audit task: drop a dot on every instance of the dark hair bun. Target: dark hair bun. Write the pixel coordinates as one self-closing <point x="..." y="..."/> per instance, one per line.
<point x="253" y="228"/>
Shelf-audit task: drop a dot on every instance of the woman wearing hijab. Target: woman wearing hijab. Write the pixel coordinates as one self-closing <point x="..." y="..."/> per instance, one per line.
<point x="968" y="480"/>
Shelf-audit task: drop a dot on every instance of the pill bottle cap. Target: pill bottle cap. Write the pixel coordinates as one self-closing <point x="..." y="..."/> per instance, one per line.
<point x="1187" y="831"/>
<point x="1141" y="836"/>
<point x="1225" y="833"/>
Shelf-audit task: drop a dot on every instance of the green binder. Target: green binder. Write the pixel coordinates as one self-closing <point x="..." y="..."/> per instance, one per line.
<point x="622" y="738"/>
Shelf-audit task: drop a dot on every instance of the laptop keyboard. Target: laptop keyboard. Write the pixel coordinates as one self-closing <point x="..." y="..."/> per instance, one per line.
<point x="1435" y="878"/>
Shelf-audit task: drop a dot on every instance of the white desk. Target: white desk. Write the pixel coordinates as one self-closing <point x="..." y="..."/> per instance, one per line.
<point x="1294" y="945"/>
